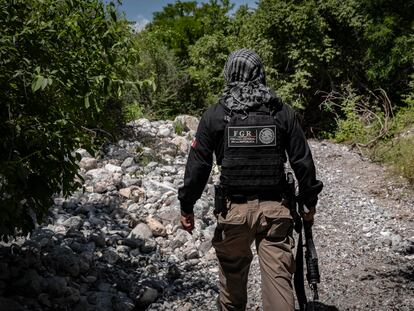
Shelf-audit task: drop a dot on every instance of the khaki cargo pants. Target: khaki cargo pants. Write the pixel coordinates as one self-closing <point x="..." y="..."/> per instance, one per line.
<point x="270" y="224"/>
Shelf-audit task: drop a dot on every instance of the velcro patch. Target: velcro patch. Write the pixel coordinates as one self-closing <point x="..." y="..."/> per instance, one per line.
<point x="251" y="136"/>
<point x="194" y="143"/>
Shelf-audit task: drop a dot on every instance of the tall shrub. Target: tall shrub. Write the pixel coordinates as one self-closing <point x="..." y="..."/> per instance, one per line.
<point x="61" y="64"/>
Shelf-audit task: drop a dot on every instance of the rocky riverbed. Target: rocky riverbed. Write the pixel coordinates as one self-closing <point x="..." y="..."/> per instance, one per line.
<point x="116" y="244"/>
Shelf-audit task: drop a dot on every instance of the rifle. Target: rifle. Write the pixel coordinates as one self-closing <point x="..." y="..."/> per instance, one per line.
<point x="312" y="269"/>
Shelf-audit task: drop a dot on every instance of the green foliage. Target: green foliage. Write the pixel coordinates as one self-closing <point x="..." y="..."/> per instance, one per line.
<point x="399" y="152"/>
<point x="378" y="133"/>
<point x="181" y="24"/>
<point x="178" y="127"/>
<point x="358" y="120"/>
<point x="62" y="70"/>
<point x="132" y="111"/>
<point x="163" y="91"/>
<point x="293" y="39"/>
<point x="207" y="57"/>
<point x="185" y="75"/>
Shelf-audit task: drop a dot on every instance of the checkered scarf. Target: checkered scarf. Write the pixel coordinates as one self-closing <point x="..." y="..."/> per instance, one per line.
<point x="246" y="83"/>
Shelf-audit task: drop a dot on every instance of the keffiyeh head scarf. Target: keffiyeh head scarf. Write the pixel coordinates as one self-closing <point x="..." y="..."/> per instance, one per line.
<point x="245" y="81"/>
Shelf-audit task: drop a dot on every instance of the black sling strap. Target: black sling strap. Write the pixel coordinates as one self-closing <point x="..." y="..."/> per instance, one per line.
<point x="298" y="279"/>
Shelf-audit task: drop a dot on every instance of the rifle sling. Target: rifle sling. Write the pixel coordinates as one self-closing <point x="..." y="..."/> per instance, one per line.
<point x="298" y="279"/>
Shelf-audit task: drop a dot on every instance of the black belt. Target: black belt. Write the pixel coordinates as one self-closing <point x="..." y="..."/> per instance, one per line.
<point x="242" y="198"/>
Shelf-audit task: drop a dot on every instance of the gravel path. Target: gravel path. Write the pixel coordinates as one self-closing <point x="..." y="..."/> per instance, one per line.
<point x="364" y="233"/>
<point x="117" y="246"/>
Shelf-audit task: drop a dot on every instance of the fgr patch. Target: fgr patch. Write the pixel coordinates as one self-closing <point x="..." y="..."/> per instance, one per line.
<point x="251" y="136"/>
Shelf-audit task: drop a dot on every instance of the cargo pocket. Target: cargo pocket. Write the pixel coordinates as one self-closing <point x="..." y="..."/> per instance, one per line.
<point x="231" y="234"/>
<point x="277" y="220"/>
<point x="235" y="215"/>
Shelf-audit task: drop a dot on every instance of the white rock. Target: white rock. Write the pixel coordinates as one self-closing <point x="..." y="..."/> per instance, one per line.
<point x="156" y="227"/>
<point x="83" y="153"/>
<point x="88" y="163"/>
<point x="98" y="173"/>
<point x="113" y="168"/>
<point x="143" y="123"/>
<point x="164" y="131"/>
<point x="182" y="143"/>
<point x="141" y="231"/>
<point x="128" y="162"/>
<point x="135" y="193"/>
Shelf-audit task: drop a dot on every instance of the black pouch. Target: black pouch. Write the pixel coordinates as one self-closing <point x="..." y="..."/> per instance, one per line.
<point x="220" y="201"/>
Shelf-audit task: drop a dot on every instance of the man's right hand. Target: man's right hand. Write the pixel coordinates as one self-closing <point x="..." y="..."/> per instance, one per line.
<point x="187" y="221"/>
<point x="308" y="216"/>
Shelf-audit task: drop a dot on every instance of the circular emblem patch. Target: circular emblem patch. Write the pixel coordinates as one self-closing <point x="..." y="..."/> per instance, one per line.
<point x="266" y="136"/>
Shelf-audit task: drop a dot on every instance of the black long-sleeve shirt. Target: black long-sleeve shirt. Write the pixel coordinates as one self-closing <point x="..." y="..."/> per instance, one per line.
<point x="210" y="136"/>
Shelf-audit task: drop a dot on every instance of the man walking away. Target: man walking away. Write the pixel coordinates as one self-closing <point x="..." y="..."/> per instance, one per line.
<point x="250" y="131"/>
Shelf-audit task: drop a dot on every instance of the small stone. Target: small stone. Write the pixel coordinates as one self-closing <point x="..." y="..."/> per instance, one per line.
<point x="173" y="272"/>
<point x="182" y="144"/>
<point x="133" y="242"/>
<point x="128" y="181"/>
<point x="88" y="163"/>
<point x="110" y="256"/>
<point x="73" y="223"/>
<point x="164" y="131"/>
<point x="205" y="246"/>
<point x="141" y="231"/>
<point x="148" y="296"/>
<point x="156" y="227"/>
<point x="187" y="307"/>
<point x="133" y="207"/>
<point x="113" y="168"/>
<point x="180" y="238"/>
<point x="190" y="253"/>
<point x="128" y="162"/>
<point x="83" y="153"/>
<point x="148" y="247"/>
<point x="98" y="239"/>
<point x="135" y="193"/>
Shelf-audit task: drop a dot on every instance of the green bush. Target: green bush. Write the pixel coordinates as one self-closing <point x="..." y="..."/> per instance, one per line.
<point x="398" y="152"/>
<point x="398" y="149"/>
<point x="62" y="65"/>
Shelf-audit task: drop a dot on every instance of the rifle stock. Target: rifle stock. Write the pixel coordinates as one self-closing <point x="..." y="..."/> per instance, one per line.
<point x="312" y="268"/>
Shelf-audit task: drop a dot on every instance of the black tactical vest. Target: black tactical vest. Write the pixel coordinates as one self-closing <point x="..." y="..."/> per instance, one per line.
<point x="254" y="157"/>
